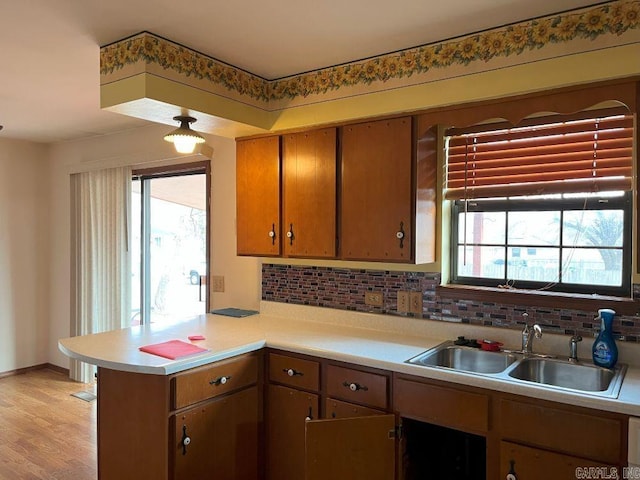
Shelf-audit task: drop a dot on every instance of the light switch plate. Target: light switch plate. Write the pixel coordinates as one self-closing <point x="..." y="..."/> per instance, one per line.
<point x="217" y="283"/>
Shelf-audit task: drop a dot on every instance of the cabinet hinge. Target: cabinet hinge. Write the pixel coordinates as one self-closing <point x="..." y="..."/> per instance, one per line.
<point x="396" y="432"/>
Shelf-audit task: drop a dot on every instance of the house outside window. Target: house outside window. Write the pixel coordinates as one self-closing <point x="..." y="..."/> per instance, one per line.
<point x="544" y="206"/>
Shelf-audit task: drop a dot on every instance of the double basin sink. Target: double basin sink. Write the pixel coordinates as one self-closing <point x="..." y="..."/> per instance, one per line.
<point x="513" y="366"/>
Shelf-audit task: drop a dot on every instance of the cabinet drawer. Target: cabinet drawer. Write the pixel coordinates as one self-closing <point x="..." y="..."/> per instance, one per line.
<point x="295" y="372"/>
<point x="357" y="387"/>
<point x="206" y="382"/>
<point x="535" y="464"/>
<point x="444" y="406"/>
<point x="562" y="430"/>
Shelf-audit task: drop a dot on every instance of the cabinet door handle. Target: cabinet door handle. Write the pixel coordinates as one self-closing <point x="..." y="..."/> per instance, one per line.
<point x="512" y="473"/>
<point x="272" y="234"/>
<point x="310" y="416"/>
<point x="290" y="234"/>
<point x="291" y="372"/>
<point x="400" y="235"/>
<point x="186" y="440"/>
<point x="354" y="387"/>
<point x="220" y="380"/>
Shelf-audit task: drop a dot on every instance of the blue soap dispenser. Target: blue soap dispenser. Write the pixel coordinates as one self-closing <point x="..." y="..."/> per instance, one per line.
<point x="605" y="351"/>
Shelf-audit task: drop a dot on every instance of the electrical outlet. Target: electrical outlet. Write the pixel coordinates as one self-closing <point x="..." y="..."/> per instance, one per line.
<point x="415" y="302"/>
<point x="373" y="298"/>
<point x="217" y="283"/>
<point x="403" y="302"/>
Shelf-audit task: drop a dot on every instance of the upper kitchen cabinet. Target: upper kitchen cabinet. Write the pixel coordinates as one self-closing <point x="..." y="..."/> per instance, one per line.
<point x="309" y="194"/>
<point x="258" y="196"/>
<point x="388" y="192"/>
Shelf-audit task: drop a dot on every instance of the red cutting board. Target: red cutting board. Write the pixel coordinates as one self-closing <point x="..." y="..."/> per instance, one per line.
<point x="172" y="349"/>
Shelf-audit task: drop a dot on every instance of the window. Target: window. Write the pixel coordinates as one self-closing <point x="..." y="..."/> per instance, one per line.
<point x="170" y="225"/>
<point x="543" y="206"/>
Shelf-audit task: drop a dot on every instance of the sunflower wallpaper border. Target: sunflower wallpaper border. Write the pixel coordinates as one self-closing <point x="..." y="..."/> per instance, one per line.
<point x="614" y="18"/>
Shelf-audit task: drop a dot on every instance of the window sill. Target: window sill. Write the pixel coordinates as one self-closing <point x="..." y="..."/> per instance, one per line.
<point x="531" y="298"/>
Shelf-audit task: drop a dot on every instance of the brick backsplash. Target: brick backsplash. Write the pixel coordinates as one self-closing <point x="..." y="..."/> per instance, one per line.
<point x="344" y="289"/>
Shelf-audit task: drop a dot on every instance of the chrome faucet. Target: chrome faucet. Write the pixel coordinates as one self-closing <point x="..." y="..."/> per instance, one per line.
<point x="528" y="333"/>
<point x="573" y="348"/>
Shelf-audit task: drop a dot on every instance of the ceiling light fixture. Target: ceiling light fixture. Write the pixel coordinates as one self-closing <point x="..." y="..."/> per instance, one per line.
<point x="183" y="138"/>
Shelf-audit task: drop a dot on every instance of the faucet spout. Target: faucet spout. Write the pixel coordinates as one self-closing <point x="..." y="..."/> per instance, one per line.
<point x="528" y="334"/>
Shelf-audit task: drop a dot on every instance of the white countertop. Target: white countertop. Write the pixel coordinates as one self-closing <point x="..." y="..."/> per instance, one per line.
<point x="377" y="341"/>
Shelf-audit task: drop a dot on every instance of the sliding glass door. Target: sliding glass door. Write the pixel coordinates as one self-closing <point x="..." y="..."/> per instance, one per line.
<point x="170" y="242"/>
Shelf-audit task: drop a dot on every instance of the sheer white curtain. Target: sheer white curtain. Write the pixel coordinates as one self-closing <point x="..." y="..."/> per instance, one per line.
<point x="101" y="258"/>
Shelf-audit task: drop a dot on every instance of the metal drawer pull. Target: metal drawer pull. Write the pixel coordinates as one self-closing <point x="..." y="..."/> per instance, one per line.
<point x="220" y="380"/>
<point x="291" y="372"/>
<point x="354" y="387"/>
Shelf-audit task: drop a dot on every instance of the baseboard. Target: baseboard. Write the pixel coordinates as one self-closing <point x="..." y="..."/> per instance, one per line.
<point x="21" y="371"/>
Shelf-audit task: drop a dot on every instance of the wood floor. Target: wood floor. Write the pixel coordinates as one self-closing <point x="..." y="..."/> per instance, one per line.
<point x="45" y="433"/>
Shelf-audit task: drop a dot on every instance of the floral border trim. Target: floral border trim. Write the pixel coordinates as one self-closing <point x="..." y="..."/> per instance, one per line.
<point x="172" y="56"/>
<point x="614" y="18"/>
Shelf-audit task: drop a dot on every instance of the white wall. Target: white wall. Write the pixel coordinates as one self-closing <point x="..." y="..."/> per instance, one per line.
<point x="143" y="147"/>
<point x="24" y="255"/>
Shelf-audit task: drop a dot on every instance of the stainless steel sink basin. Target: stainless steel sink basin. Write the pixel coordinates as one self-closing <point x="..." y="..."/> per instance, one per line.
<point x="563" y="374"/>
<point x="515" y="367"/>
<point x="465" y="358"/>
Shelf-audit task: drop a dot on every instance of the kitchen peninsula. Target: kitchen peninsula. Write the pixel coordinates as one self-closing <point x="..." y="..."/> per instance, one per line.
<point x="337" y="365"/>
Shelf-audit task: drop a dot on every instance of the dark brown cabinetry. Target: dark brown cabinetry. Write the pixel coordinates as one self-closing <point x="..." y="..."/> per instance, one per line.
<point x="542" y="440"/>
<point x="288" y="409"/>
<point x="376" y="191"/>
<point x="350" y="438"/>
<point x="258" y="196"/>
<point x="218" y="439"/>
<point x="201" y="423"/>
<point x="380" y="183"/>
<point x="309" y="193"/>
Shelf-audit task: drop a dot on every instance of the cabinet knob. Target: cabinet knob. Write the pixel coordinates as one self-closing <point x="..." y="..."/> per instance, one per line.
<point x="290" y="234"/>
<point x="291" y="372"/>
<point x="220" y="380"/>
<point x="512" y="473"/>
<point x="272" y="234"/>
<point x="400" y="234"/>
<point x="354" y="387"/>
<point x="310" y="416"/>
<point x="186" y="440"/>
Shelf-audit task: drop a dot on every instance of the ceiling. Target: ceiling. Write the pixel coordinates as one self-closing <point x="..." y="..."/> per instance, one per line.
<point x="49" y="50"/>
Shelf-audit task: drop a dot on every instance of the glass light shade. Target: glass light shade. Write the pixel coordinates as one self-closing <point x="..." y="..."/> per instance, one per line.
<point x="183" y="138"/>
<point x="184" y="143"/>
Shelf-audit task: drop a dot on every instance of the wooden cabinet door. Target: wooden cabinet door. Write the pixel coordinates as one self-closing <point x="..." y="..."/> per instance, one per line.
<point x="287" y="411"/>
<point x="339" y="409"/>
<point x="535" y="464"/>
<point x="223" y="439"/>
<point x="309" y="194"/>
<point x="376" y="191"/>
<point x="258" y="196"/>
<point x="353" y="448"/>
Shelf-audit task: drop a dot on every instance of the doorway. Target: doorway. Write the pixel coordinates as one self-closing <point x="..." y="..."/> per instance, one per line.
<point x="170" y="239"/>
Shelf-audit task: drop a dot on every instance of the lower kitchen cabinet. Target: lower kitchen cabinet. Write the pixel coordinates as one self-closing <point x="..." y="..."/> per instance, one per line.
<point x="351" y="448"/>
<point x="218" y="439"/>
<point x="321" y="419"/>
<point x="203" y="423"/>
<point x="287" y="412"/>
<point x="527" y="463"/>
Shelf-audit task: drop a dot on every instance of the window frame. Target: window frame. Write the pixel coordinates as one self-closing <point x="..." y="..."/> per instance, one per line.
<point x="624" y="202"/>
